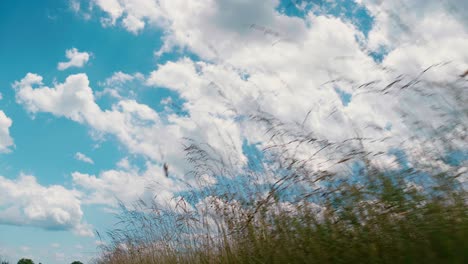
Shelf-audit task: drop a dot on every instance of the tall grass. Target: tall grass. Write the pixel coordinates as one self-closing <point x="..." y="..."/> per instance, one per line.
<point x="283" y="209"/>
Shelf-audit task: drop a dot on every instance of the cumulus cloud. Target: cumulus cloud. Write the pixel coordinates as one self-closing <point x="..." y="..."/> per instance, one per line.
<point x="133" y="24"/>
<point x="24" y="202"/>
<point x="82" y="157"/>
<point x="399" y="22"/>
<point x="202" y="24"/>
<point x="5" y="139"/>
<point x="124" y="164"/>
<point x="126" y="185"/>
<point x="133" y="15"/>
<point x="76" y="59"/>
<point x="260" y="63"/>
<point x="136" y="125"/>
<point x="253" y="57"/>
<point x="117" y="85"/>
<point x="70" y="99"/>
<point x="111" y="7"/>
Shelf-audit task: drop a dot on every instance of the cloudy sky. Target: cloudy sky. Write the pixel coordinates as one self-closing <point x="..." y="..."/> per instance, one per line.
<point x="95" y="95"/>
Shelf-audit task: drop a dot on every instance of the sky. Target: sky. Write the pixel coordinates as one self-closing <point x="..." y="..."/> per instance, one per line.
<point x="96" y="95"/>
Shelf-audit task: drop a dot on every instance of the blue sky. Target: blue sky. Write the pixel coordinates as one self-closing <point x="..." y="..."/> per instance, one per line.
<point x="159" y="73"/>
<point x="43" y="146"/>
<point x="35" y="37"/>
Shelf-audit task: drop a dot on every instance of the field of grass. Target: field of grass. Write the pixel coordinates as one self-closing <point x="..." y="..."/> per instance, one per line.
<point x="382" y="222"/>
<point x="280" y="209"/>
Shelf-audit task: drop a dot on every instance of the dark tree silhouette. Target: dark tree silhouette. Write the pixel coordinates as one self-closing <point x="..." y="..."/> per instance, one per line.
<point x="25" y="261"/>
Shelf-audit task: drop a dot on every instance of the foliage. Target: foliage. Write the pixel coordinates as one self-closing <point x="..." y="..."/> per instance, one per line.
<point x="25" y="261"/>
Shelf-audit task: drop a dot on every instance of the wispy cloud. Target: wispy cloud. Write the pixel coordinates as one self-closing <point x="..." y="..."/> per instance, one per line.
<point x="82" y="157"/>
<point x="55" y="245"/>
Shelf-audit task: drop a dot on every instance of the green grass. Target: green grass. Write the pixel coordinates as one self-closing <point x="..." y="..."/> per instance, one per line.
<point x="379" y="220"/>
<point x="309" y="215"/>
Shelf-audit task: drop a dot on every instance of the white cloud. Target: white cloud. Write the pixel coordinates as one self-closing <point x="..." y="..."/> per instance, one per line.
<point x="76" y="59"/>
<point x="398" y="22"/>
<point x="254" y="57"/>
<point x="25" y="249"/>
<point x="73" y="99"/>
<point x="133" y="24"/>
<point x="117" y="86"/>
<point x="126" y="185"/>
<point x="75" y="5"/>
<point x="82" y="157"/>
<point x="55" y="245"/>
<point x="124" y="164"/>
<point x="5" y="139"/>
<point x="112" y="7"/>
<point x="136" y="125"/>
<point x="111" y="92"/>
<point x="285" y="78"/>
<point x="24" y="202"/>
<point x="119" y="78"/>
<point x="132" y="13"/>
